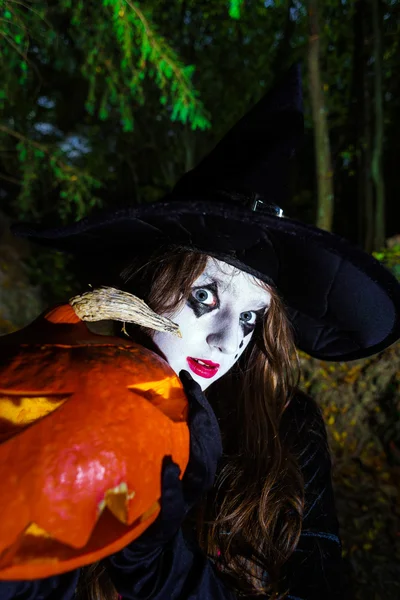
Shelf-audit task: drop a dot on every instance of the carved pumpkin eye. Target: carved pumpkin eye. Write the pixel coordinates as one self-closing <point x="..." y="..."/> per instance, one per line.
<point x="81" y="418"/>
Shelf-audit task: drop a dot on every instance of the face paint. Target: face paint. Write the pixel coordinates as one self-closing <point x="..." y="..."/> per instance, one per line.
<point x="217" y="323"/>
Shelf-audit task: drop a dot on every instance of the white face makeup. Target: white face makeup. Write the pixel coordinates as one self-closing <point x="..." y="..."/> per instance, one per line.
<point x="217" y="323"/>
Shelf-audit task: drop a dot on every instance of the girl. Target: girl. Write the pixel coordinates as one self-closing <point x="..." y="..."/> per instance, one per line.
<point x="245" y="286"/>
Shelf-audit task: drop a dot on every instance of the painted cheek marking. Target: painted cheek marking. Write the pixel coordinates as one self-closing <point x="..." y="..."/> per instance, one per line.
<point x="198" y="309"/>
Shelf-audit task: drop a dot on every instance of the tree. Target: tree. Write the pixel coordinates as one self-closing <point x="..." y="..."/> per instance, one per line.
<point x="94" y="116"/>
<point x="321" y="134"/>
<point x="377" y="171"/>
<point x="361" y="117"/>
<point x="99" y="109"/>
<point x="110" y="51"/>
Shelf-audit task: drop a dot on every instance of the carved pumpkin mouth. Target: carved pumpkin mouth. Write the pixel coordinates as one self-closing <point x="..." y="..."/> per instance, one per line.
<point x="35" y="554"/>
<point x="84" y="428"/>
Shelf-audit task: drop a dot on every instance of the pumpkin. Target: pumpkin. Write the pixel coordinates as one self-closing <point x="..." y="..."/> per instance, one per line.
<point x="85" y="422"/>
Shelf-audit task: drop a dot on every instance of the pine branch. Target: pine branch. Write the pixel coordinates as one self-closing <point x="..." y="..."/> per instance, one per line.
<point x="10" y="179"/>
<point x="22" y="138"/>
<point x="76" y="185"/>
<point x="179" y="74"/>
<point x="168" y="69"/>
<point x="13" y="46"/>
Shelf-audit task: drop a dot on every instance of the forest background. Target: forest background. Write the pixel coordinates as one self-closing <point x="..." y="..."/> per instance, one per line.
<point x="106" y="103"/>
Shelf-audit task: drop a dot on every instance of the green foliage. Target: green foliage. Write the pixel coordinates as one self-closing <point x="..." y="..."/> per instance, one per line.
<point x="107" y="110"/>
<point x="53" y="270"/>
<point x="361" y="408"/>
<point x="74" y="186"/>
<point x="123" y="75"/>
<point x="142" y="52"/>
<point x="390" y="257"/>
<point x="115" y="50"/>
<point x="234" y="8"/>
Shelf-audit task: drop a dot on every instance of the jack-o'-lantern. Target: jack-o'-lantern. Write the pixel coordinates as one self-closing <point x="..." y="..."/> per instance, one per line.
<point x="85" y="422"/>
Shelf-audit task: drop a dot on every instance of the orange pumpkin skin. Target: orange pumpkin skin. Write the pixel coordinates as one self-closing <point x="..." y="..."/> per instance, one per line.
<point x="85" y="422"/>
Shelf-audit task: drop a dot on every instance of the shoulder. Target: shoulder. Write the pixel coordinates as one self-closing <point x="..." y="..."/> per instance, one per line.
<point x="303" y="408"/>
<point x="309" y="443"/>
<point x="315" y="569"/>
<point x="303" y="425"/>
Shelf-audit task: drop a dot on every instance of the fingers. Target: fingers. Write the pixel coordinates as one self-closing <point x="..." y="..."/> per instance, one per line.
<point x="172" y="513"/>
<point x="172" y="502"/>
<point x="188" y="382"/>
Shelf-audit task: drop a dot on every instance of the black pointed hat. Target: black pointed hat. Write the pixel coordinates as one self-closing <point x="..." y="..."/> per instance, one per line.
<point x="253" y="158"/>
<point x="342" y="302"/>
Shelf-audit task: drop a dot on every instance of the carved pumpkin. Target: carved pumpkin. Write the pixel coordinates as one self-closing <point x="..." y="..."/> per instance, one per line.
<point x="85" y="421"/>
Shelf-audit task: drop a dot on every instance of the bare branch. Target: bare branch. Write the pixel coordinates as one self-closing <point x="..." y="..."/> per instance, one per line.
<point x="10" y="179"/>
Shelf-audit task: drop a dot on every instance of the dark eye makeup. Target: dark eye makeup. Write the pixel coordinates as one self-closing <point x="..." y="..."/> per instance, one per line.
<point x="250" y="319"/>
<point x="203" y="299"/>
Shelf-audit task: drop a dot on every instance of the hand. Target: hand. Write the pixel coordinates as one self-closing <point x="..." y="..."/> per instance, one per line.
<point x="179" y="496"/>
<point x="145" y="569"/>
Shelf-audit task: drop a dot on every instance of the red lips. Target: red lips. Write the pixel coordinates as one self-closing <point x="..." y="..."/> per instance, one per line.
<point x="205" y="368"/>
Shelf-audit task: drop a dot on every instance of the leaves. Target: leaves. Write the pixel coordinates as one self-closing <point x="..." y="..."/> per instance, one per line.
<point x="360" y="405"/>
<point x="141" y="52"/>
<point x="390" y="257"/>
<point x="234" y="8"/>
<point x="117" y="48"/>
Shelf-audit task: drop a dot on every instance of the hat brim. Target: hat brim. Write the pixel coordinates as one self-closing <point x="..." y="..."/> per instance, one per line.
<point x="344" y="305"/>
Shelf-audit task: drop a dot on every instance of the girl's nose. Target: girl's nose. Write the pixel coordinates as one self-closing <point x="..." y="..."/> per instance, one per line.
<point x="225" y="338"/>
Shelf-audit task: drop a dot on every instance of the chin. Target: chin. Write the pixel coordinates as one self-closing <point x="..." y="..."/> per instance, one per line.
<point x="204" y="383"/>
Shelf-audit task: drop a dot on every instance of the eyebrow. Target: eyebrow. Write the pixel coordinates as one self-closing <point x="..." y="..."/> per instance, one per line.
<point x="262" y="308"/>
<point x="214" y="279"/>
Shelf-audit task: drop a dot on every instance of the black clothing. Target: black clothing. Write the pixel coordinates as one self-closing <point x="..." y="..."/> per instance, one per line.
<point x="181" y="571"/>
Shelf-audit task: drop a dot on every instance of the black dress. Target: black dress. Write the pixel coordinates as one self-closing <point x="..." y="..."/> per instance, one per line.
<point x="181" y="571"/>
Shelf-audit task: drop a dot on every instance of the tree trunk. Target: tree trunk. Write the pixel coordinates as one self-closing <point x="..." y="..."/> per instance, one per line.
<point x="377" y="170"/>
<point x="368" y="188"/>
<point x="357" y="114"/>
<point x="360" y="118"/>
<point x="319" y="113"/>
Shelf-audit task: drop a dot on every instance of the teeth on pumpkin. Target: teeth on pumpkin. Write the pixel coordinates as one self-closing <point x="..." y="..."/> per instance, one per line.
<point x="117" y="500"/>
<point x="100" y="507"/>
<point x="37" y="531"/>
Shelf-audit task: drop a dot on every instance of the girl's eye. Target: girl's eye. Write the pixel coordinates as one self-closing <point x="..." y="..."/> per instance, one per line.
<point x="204" y="296"/>
<point x="249" y="317"/>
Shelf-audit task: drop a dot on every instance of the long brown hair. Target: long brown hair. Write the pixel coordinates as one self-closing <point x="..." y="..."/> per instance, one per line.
<point x="250" y="522"/>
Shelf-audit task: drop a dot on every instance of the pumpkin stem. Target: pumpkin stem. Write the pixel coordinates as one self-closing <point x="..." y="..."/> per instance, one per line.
<point x="105" y="303"/>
